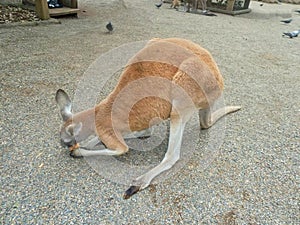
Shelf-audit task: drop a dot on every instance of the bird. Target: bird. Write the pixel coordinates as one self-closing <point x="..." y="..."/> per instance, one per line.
<point x="158" y="5"/>
<point x="291" y="34"/>
<point x="109" y="27"/>
<point x="286" y="20"/>
<point x="207" y="13"/>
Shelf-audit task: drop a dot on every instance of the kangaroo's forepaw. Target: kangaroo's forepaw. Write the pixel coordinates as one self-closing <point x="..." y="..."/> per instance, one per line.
<point x="76" y="153"/>
<point x="131" y="191"/>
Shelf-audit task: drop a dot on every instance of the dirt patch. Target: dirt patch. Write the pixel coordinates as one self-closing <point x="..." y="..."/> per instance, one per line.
<point x="11" y="14"/>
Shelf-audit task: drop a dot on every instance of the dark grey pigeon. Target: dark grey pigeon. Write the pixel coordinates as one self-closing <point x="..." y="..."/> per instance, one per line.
<point x="158" y="5"/>
<point x="109" y="27"/>
<point x="291" y="34"/>
<point x="286" y="20"/>
<point x="207" y="13"/>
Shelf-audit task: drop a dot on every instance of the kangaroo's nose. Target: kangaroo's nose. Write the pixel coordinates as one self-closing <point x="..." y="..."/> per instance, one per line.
<point x="68" y="144"/>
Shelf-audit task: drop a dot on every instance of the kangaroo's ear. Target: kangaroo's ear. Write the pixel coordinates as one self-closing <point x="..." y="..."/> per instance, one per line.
<point x="64" y="103"/>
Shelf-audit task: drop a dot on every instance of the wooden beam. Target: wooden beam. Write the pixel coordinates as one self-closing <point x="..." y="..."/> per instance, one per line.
<point x="235" y="12"/>
<point x="62" y="11"/>
<point x="42" y="10"/>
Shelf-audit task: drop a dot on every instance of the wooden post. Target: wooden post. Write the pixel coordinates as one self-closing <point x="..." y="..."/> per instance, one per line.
<point x="230" y="5"/>
<point x="42" y="10"/>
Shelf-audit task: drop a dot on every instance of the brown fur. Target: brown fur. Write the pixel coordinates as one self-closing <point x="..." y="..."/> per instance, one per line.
<point x="175" y="4"/>
<point x="176" y="61"/>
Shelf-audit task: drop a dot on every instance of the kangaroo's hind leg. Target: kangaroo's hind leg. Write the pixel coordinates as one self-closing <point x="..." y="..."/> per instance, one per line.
<point x="177" y="124"/>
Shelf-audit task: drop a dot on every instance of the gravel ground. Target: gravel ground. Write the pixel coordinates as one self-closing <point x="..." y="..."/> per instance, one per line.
<point x="253" y="180"/>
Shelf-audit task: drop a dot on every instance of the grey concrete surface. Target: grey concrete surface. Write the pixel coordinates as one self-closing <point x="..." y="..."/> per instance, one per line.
<point x="254" y="179"/>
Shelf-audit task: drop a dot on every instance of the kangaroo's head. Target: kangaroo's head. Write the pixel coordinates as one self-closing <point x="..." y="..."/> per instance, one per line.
<point x="70" y="131"/>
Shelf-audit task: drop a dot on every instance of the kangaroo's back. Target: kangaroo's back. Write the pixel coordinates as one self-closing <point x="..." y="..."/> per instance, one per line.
<point x="203" y="55"/>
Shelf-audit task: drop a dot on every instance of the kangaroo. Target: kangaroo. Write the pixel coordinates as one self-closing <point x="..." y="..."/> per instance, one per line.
<point x="168" y="79"/>
<point x="175" y="4"/>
